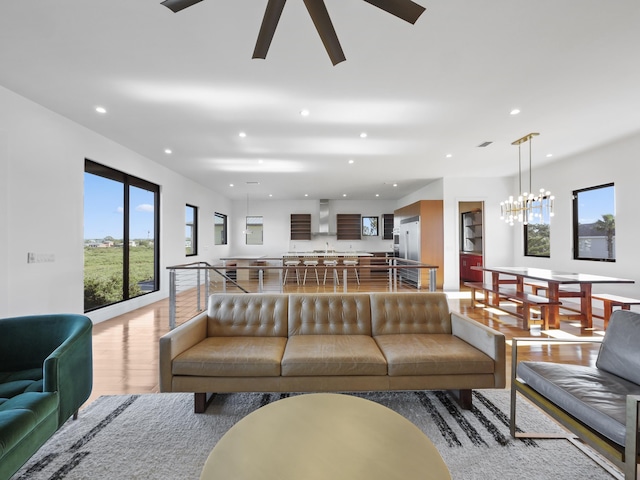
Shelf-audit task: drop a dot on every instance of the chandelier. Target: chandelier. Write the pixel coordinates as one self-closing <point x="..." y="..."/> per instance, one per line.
<point x="527" y="207"/>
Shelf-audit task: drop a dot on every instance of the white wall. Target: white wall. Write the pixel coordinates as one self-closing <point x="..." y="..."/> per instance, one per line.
<point x="4" y="224"/>
<point x="41" y="209"/>
<point x="276" y="218"/>
<point x="498" y="236"/>
<point x="617" y="162"/>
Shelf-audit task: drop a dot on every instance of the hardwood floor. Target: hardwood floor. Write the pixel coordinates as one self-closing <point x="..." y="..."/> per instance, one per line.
<point x="125" y="348"/>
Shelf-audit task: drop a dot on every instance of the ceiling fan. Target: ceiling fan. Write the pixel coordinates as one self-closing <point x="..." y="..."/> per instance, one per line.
<point x="407" y="10"/>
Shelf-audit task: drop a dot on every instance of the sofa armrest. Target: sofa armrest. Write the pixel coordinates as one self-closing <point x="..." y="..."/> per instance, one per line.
<point x="177" y="341"/>
<point x="485" y="339"/>
<point x="68" y="370"/>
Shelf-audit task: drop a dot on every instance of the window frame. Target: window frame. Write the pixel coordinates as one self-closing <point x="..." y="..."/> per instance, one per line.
<point x="374" y="232"/>
<point x="576" y="222"/>
<point x="223" y="235"/>
<point x="194" y="230"/>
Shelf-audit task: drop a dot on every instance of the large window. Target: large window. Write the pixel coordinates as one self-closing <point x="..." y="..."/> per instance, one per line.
<point x="220" y="225"/>
<point x="594" y="224"/>
<point x="253" y="231"/>
<point x="191" y="230"/>
<point x="537" y="239"/>
<point x="121" y="226"/>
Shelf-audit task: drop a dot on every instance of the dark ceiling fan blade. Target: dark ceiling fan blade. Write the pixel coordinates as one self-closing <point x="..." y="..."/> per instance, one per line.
<point x="177" y="5"/>
<point x="405" y="9"/>
<point x="321" y="20"/>
<point x="268" y="28"/>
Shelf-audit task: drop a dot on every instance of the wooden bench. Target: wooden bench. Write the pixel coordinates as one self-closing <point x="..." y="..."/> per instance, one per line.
<point x="609" y="301"/>
<point x="527" y="300"/>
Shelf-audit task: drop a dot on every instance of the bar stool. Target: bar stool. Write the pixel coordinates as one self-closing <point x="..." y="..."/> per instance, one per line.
<point x="352" y="261"/>
<point x="289" y="262"/>
<point x="310" y="261"/>
<point x="330" y="261"/>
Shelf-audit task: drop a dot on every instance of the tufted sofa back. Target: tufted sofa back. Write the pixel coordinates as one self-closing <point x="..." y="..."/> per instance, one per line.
<point x="409" y="313"/>
<point x="329" y="314"/>
<point x="247" y="315"/>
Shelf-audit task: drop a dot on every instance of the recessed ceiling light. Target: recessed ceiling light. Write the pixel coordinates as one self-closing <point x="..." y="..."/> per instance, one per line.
<point x="351" y="161"/>
<point x="168" y="151"/>
<point x="242" y="134"/>
<point x="515" y="111"/>
<point x="344" y="194"/>
<point x="449" y="155"/>
<point x="231" y="185"/>
<point x="271" y="195"/>
<point x="260" y="161"/>
<point x="363" y="135"/>
<point x="101" y="110"/>
<point x="549" y="155"/>
<point x="395" y="184"/>
<point x="306" y="194"/>
<point x="377" y="194"/>
<point x="304" y="112"/>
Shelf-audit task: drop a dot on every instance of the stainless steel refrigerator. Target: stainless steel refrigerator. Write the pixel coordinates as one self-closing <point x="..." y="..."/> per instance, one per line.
<point x="409" y="248"/>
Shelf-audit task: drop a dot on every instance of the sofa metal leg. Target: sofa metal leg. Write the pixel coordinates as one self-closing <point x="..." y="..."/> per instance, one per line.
<point x="202" y="401"/>
<point x="631" y="447"/>
<point x="463" y="397"/>
<point x="75" y="415"/>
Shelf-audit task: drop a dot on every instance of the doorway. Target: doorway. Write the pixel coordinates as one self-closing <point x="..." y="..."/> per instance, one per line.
<point x="471" y="240"/>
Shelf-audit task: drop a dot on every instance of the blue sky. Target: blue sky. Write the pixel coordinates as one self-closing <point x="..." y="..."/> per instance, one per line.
<point x="103" y="209"/>
<point x="595" y="203"/>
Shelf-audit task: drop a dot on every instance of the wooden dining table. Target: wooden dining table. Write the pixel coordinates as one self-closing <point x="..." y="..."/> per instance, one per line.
<point x="555" y="280"/>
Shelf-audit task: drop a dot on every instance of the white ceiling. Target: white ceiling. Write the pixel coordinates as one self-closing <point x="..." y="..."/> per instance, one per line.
<point x="187" y="82"/>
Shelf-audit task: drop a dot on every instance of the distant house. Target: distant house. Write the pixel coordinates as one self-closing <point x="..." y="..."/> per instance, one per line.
<point x="592" y="243"/>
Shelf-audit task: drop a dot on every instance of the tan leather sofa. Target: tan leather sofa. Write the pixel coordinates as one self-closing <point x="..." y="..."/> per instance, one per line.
<point x="335" y="342"/>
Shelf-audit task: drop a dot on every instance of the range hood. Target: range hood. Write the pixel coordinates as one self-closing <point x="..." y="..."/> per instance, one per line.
<point x="323" y="220"/>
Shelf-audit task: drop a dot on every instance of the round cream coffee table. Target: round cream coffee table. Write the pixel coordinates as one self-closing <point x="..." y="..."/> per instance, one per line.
<point x="324" y="436"/>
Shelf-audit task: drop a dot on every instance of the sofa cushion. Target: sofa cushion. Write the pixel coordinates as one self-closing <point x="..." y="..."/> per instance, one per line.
<point x="232" y="357"/>
<point x="15" y="383"/>
<point x="238" y="315"/>
<point x="431" y="354"/>
<point x="329" y="314"/>
<point x="591" y="395"/>
<point x="22" y="413"/>
<point x="619" y="350"/>
<point x="309" y="355"/>
<point x="410" y="312"/>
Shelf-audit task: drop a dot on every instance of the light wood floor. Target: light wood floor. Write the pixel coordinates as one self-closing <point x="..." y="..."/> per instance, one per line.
<point x="126" y="347"/>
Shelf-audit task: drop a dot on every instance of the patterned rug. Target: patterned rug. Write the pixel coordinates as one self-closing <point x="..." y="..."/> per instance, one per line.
<point x="158" y="436"/>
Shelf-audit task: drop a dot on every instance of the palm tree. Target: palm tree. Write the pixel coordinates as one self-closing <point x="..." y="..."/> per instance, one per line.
<point x="608" y="226"/>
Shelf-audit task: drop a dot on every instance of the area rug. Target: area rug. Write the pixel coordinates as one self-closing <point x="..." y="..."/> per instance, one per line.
<point x="157" y="436"/>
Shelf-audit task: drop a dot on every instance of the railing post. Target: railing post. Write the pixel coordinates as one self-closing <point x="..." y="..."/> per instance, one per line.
<point x="206" y="284"/>
<point x="172" y="299"/>
<point x="432" y="279"/>
<point x="198" y="288"/>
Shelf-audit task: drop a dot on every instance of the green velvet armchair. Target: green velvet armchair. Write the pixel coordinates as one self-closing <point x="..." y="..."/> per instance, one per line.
<point x="46" y="374"/>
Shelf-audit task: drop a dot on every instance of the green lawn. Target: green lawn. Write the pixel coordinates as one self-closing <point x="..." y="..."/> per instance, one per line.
<point x="103" y="273"/>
